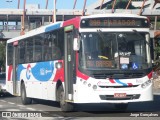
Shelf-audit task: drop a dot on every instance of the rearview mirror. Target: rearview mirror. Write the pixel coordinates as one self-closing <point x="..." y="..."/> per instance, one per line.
<point x="76" y="44"/>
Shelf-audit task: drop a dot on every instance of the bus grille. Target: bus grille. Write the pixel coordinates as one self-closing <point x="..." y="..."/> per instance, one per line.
<point x="111" y="97"/>
<point x="119" y="86"/>
<point x="118" y="76"/>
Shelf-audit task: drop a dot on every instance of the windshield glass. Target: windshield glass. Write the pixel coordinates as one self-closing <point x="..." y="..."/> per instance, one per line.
<point x="103" y="50"/>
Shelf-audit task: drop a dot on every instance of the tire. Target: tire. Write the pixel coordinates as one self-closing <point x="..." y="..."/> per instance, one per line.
<point x="122" y="106"/>
<point x="25" y="100"/>
<point x="65" y="106"/>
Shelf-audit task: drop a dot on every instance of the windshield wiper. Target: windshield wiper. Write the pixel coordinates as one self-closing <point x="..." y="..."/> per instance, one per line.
<point x="101" y="34"/>
<point x="142" y="38"/>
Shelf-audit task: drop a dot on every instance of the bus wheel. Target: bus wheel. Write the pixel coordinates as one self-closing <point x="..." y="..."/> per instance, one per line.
<point x="121" y="106"/>
<point x="24" y="98"/>
<point x="65" y="106"/>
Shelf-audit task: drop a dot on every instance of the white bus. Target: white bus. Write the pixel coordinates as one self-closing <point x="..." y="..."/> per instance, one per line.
<point x="89" y="59"/>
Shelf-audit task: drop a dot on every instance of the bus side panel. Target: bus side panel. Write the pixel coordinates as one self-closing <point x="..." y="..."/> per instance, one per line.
<point x="9" y="85"/>
<point x="38" y="79"/>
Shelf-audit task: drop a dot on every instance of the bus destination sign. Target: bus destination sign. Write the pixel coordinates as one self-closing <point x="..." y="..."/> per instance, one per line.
<point x="116" y="22"/>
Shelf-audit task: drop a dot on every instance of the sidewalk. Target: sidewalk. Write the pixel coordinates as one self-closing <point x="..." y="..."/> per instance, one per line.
<point x="156" y="86"/>
<point x="156" y="91"/>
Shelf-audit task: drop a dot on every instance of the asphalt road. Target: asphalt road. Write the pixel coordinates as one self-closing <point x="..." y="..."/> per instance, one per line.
<point x="50" y="110"/>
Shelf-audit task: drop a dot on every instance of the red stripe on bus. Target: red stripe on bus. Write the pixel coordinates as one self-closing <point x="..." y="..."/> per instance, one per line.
<point x="59" y="75"/>
<point x="10" y="68"/>
<point x="130" y="84"/>
<point x="81" y="75"/>
<point x="150" y="75"/>
<point x="112" y="81"/>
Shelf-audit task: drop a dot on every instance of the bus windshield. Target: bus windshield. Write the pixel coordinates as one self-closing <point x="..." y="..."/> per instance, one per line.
<point x="107" y="50"/>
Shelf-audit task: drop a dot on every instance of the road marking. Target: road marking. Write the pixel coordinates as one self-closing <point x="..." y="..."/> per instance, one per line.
<point x="44" y="111"/>
<point x="31" y="109"/>
<point x="1" y="106"/>
<point x="21" y="106"/>
<point x="11" y="103"/>
<point x="13" y="109"/>
<point x="3" y="101"/>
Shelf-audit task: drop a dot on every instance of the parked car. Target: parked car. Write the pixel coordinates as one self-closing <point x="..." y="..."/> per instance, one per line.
<point x="3" y="83"/>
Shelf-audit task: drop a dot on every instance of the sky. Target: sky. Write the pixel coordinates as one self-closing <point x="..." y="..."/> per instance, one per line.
<point x="61" y="4"/>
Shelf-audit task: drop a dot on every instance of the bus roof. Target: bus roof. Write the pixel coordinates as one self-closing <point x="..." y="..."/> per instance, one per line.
<point x="37" y="31"/>
<point x="75" y="21"/>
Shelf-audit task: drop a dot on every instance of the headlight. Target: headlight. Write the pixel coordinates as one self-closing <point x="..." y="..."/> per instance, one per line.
<point x="89" y="85"/>
<point x="84" y="82"/>
<point x="94" y="87"/>
<point x="147" y="83"/>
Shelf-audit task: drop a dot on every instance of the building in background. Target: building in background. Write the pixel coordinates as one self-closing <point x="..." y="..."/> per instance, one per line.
<point x="148" y="4"/>
<point x="136" y="3"/>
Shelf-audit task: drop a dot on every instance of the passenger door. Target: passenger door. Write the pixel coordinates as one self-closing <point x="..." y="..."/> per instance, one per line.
<point x="15" y="63"/>
<point x="69" y="62"/>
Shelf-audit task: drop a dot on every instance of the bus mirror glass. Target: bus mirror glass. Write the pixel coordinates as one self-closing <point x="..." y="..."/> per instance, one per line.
<point x="76" y="44"/>
<point x="147" y="37"/>
<point x="15" y="43"/>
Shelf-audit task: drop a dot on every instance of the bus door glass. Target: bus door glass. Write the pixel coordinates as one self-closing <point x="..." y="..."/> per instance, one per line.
<point x="69" y="61"/>
<point x="15" y="62"/>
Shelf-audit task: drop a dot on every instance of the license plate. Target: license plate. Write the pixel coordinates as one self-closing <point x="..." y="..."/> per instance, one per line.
<point x="119" y="95"/>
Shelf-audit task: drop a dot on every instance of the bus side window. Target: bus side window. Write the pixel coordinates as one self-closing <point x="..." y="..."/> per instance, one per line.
<point x="47" y="50"/>
<point x="38" y="49"/>
<point x="21" y="51"/>
<point x="56" y="53"/>
<point x="29" y="50"/>
<point x="10" y="54"/>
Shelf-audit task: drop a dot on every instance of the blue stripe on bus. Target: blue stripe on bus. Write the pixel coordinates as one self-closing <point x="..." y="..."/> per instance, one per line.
<point x="41" y="71"/>
<point x="19" y="70"/>
<point x="118" y="81"/>
<point x="53" y="27"/>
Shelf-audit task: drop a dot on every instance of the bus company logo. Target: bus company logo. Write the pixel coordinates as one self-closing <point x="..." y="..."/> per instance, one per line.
<point x="103" y="83"/>
<point x="28" y="72"/>
<point x="44" y="71"/>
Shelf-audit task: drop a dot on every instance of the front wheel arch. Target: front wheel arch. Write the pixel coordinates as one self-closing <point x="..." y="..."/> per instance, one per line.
<point x="59" y="83"/>
<point x="25" y="100"/>
<point x="65" y="106"/>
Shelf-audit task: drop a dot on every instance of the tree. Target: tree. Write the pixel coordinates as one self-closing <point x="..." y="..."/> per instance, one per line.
<point x="120" y="4"/>
<point x="2" y="55"/>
